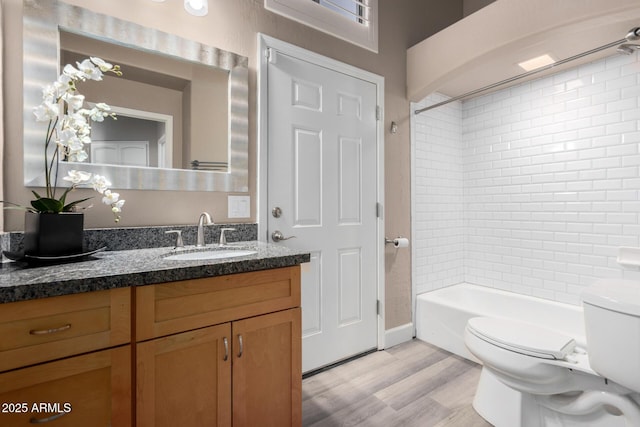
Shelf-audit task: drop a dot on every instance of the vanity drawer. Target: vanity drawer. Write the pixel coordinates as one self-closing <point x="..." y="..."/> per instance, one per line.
<point x="51" y="328"/>
<point x="174" y="307"/>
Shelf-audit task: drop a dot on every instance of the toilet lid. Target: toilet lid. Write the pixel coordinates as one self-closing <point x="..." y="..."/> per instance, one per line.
<point x="522" y="337"/>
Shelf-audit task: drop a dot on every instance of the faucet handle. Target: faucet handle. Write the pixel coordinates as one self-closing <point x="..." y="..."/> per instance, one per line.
<point x="223" y="238"/>
<point x="179" y="242"/>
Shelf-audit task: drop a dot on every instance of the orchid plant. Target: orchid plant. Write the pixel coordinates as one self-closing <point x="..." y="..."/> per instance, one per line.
<point x="68" y="132"/>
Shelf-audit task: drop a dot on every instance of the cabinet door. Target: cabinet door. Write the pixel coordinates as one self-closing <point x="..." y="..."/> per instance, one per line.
<point x="89" y="390"/>
<point x="267" y="370"/>
<point x="185" y="379"/>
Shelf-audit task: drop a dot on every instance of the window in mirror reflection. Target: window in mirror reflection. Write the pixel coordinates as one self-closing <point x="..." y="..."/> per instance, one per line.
<point x="164" y="108"/>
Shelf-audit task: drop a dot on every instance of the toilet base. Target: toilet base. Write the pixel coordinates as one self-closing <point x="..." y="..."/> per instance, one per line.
<point x="502" y="406"/>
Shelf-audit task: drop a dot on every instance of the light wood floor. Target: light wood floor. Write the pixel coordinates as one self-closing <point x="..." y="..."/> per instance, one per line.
<point x="412" y="384"/>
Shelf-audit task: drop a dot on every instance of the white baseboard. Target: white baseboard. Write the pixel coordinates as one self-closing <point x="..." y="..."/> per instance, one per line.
<point x="398" y="335"/>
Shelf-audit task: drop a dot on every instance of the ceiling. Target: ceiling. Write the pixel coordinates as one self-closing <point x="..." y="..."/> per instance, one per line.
<point x="486" y="46"/>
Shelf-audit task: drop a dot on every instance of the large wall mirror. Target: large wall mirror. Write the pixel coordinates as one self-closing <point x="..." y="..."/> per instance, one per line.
<point x="182" y="106"/>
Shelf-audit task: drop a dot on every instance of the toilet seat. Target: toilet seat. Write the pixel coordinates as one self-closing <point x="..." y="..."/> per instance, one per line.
<point x="521" y="337"/>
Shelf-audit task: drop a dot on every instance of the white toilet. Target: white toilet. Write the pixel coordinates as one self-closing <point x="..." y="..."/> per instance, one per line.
<point x="534" y="377"/>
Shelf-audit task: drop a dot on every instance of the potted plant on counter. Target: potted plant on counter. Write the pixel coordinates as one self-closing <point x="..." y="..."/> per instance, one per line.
<point x="54" y="225"/>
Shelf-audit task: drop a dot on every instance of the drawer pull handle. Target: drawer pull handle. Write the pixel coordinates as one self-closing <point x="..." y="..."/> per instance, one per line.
<point x="48" y="419"/>
<point x="226" y="348"/>
<point x="241" y="350"/>
<point x="50" y="331"/>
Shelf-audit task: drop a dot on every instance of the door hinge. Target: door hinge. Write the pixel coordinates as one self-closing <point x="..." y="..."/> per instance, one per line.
<point x="378" y="307"/>
<point x="379" y="210"/>
<point x="378" y="112"/>
<point x="270" y="55"/>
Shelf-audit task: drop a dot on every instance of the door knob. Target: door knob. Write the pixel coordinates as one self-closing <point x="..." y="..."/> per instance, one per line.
<point x="277" y="236"/>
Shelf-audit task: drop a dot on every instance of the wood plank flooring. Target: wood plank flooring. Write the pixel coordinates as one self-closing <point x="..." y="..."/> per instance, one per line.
<point x="412" y="384"/>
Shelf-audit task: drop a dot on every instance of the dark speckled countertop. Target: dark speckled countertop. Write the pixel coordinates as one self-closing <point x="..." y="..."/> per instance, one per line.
<point x="117" y="269"/>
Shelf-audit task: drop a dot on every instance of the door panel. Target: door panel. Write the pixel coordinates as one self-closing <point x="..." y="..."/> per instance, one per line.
<point x="307" y="177"/>
<point x="350" y="287"/>
<point x="350" y="181"/>
<point x="322" y="158"/>
<point x="307" y="95"/>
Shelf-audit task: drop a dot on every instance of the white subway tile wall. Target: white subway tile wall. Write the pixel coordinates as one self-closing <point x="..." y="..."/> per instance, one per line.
<point x="550" y="183"/>
<point x="437" y="196"/>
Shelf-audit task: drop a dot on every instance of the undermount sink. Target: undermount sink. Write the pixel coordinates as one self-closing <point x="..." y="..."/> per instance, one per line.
<point x="209" y="254"/>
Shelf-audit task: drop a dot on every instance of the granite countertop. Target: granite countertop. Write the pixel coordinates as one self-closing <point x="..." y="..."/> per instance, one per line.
<point x="138" y="267"/>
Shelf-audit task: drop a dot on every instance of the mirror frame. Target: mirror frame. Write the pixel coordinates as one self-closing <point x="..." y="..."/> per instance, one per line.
<point x="42" y="21"/>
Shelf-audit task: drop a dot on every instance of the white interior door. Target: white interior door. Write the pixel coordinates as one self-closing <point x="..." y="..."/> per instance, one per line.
<point x="127" y="153"/>
<point x="322" y="189"/>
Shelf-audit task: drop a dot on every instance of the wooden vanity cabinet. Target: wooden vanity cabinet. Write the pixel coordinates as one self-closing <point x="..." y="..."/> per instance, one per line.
<point x="67" y="360"/>
<point x="220" y="351"/>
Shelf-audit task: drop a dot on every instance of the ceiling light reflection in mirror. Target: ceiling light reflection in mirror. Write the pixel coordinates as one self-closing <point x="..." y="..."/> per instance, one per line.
<point x="194" y="7"/>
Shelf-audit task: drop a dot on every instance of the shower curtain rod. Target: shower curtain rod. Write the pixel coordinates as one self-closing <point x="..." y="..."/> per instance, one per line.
<point x="521" y="76"/>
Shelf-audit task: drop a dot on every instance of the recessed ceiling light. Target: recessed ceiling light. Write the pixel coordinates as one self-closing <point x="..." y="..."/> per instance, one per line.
<point x="537" y="62"/>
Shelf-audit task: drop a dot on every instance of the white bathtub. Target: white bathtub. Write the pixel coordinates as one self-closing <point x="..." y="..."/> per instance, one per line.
<point x="442" y="315"/>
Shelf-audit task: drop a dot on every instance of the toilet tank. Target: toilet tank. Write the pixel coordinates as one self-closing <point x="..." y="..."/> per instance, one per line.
<point x="612" y="324"/>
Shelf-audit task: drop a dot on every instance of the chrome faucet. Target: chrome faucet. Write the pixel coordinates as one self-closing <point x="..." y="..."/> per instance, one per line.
<point x="205" y="219"/>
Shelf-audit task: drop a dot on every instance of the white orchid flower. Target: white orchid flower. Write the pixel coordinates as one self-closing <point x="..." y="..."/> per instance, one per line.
<point x="100" y="111"/>
<point x="70" y="74"/>
<point x="96" y="115"/>
<point x="77" y="177"/>
<point x="75" y="102"/>
<point x="102" y="64"/>
<point x="78" y="156"/>
<point x="100" y="183"/>
<point x="117" y="206"/>
<point x="75" y="145"/>
<point x="65" y="136"/>
<point x="110" y="197"/>
<point x="46" y="111"/>
<point x="77" y="122"/>
<point x="50" y="93"/>
<point x="89" y="70"/>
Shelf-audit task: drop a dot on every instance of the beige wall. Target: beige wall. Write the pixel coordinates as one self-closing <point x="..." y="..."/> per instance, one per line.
<point x="233" y="25"/>
<point x="471" y="6"/>
<point x="208" y="140"/>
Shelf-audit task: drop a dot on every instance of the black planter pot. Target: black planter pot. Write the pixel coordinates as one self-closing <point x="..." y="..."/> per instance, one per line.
<point x="53" y="235"/>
